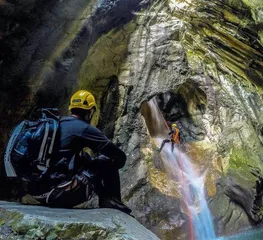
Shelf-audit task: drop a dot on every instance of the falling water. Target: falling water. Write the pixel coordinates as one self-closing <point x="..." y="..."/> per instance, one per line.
<point x="179" y="167"/>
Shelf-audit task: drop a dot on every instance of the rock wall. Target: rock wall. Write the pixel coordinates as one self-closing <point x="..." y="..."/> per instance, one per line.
<point x="200" y="53"/>
<point x="202" y="59"/>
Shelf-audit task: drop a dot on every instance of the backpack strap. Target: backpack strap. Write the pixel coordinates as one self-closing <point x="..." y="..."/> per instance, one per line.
<point x="55" y="124"/>
<point x="45" y="155"/>
<point x="44" y="159"/>
<point x="43" y="144"/>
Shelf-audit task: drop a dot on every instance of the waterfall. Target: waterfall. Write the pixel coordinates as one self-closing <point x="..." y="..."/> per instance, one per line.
<point x="179" y="168"/>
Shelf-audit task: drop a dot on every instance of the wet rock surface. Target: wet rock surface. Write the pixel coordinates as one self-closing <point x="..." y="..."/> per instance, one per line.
<point x="219" y="106"/>
<point x="34" y="222"/>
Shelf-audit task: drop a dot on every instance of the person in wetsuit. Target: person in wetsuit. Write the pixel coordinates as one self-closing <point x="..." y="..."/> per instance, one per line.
<point x="75" y="172"/>
<point x="174" y="137"/>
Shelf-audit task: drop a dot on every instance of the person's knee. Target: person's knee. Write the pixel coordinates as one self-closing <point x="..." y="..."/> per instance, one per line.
<point x="120" y="161"/>
<point x="85" y="159"/>
<point x="85" y="156"/>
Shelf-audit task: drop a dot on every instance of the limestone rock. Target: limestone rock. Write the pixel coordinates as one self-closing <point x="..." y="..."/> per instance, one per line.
<point x="35" y="222"/>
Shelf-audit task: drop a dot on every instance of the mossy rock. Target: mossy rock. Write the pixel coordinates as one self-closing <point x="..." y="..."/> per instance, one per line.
<point x="242" y="162"/>
<point x="36" y="222"/>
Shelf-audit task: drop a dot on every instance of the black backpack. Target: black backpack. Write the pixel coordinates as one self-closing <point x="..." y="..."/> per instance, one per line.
<point x="32" y="145"/>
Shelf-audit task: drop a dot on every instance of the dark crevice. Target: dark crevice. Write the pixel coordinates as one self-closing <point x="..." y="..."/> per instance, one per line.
<point x="175" y="107"/>
<point x="251" y="202"/>
<point x="109" y="107"/>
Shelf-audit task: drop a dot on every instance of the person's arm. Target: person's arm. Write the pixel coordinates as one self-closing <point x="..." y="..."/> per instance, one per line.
<point x="99" y="143"/>
<point x="171" y="132"/>
<point x="115" y="153"/>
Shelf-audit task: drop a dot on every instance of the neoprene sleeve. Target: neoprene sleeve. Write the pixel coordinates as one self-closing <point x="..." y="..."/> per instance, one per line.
<point x="99" y="143"/>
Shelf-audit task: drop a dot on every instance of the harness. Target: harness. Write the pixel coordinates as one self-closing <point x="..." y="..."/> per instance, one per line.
<point x="175" y="136"/>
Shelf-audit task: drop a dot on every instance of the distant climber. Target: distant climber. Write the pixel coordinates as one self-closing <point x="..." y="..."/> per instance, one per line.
<point x="174" y="137"/>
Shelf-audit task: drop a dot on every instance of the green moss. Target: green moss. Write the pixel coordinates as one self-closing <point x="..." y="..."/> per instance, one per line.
<point x="2" y="222"/>
<point x="254" y="4"/>
<point x="240" y="162"/>
<point x="70" y="231"/>
<point x="229" y="16"/>
<point x="31" y="228"/>
<point x="260" y="33"/>
<point x="238" y="159"/>
<point x="195" y="57"/>
<point x="10" y="220"/>
<point x="52" y="236"/>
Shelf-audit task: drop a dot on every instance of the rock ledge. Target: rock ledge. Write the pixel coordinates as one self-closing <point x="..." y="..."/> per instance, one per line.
<point x="36" y="222"/>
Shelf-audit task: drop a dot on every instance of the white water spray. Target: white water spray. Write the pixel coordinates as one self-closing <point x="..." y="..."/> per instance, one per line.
<point x="180" y="168"/>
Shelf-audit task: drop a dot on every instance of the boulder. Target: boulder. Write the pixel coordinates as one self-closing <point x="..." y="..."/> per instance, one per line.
<point x="19" y="221"/>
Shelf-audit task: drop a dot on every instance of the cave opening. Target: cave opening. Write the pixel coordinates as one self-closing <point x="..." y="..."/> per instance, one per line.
<point x="184" y="106"/>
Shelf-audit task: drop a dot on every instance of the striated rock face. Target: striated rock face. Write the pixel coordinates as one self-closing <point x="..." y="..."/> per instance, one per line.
<point x="32" y="222"/>
<point x="223" y="42"/>
<point x="203" y="61"/>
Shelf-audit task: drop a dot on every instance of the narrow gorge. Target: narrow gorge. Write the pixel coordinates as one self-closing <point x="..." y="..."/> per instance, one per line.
<point x="200" y="61"/>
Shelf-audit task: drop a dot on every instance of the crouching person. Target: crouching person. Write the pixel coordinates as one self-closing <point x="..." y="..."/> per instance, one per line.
<point x="73" y="174"/>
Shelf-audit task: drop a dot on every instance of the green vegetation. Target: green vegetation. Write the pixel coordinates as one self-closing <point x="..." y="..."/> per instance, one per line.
<point x="240" y="162"/>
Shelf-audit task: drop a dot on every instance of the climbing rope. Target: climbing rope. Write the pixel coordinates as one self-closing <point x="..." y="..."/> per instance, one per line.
<point x="183" y="181"/>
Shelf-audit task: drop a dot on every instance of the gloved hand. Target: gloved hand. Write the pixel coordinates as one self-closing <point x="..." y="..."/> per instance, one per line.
<point x="102" y="158"/>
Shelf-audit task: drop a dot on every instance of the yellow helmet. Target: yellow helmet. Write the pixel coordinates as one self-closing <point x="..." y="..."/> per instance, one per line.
<point x="174" y="125"/>
<point x="82" y="99"/>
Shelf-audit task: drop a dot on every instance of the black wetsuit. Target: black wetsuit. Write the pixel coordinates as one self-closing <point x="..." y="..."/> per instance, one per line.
<point x="75" y="134"/>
